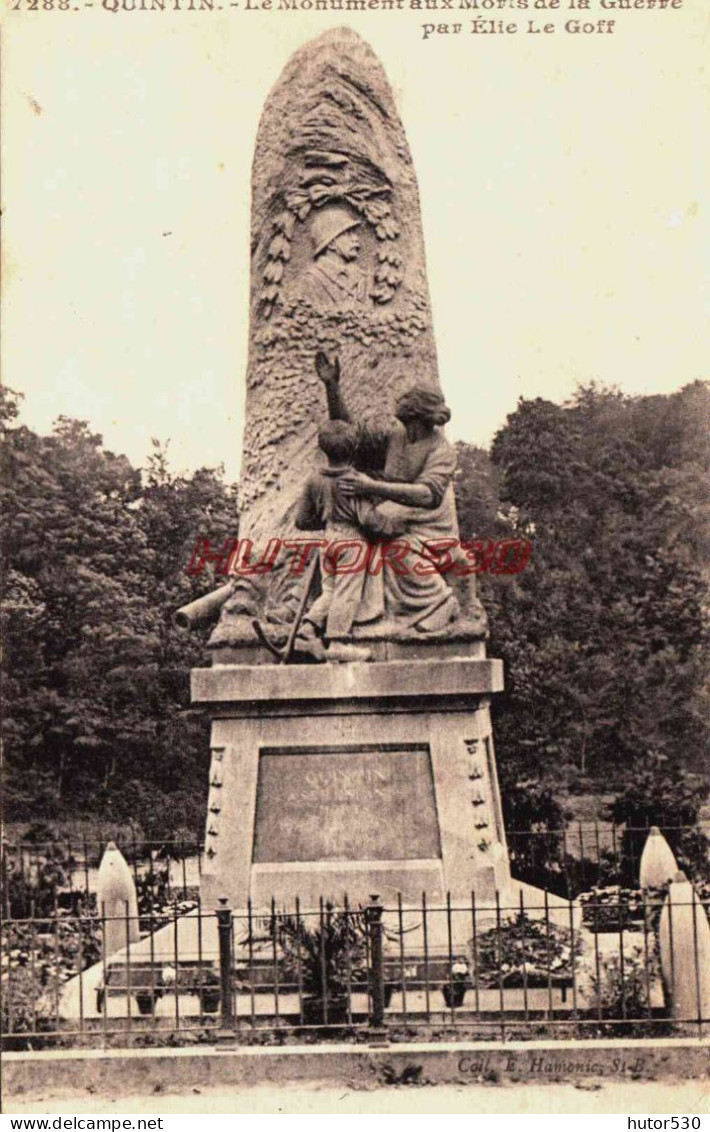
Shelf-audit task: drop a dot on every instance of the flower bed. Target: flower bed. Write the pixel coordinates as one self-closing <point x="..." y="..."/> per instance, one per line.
<point x="37" y="959"/>
<point x="524" y="952"/>
<point x="613" y="909"/>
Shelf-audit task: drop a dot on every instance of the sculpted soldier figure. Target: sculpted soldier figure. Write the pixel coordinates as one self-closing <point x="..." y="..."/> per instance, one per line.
<point x="349" y="595"/>
<point x="333" y="279"/>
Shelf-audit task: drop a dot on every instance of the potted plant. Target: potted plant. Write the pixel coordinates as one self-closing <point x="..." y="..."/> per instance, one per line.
<point x="202" y="981"/>
<point x="207" y="986"/>
<point x="324" y="958"/>
<point x="455" y="989"/>
<point x="158" y="983"/>
<point x="146" y="1001"/>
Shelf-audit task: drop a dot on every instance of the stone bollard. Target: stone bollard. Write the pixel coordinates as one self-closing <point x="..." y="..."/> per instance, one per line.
<point x="658" y="865"/>
<point x="684" y="940"/>
<point x="116" y="899"/>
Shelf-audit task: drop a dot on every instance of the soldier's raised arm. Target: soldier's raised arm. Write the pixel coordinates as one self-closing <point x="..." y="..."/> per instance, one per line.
<point x="329" y="373"/>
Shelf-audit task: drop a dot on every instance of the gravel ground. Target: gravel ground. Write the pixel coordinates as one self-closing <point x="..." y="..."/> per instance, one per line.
<point x="633" y="1097"/>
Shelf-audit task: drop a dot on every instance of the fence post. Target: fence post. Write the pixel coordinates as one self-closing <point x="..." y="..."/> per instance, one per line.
<point x="5" y="881"/>
<point x="373" y="915"/>
<point x="224" y="932"/>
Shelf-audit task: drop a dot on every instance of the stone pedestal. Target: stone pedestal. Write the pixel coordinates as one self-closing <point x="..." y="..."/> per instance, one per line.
<point x="356" y="779"/>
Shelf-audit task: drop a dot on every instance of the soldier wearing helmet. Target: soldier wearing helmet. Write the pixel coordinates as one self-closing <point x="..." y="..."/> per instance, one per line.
<point x="333" y="279"/>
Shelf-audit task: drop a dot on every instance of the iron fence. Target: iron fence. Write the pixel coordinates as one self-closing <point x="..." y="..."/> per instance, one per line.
<point x="536" y="965"/>
<point x="34" y="875"/>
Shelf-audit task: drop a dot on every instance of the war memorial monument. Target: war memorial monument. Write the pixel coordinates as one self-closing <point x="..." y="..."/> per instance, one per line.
<point x="351" y="742"/>
<point x="352" y="779"/>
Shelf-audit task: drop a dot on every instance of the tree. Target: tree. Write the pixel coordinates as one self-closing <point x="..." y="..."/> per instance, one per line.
<point x="95" y="677"/>
<point x="603" y="634"/>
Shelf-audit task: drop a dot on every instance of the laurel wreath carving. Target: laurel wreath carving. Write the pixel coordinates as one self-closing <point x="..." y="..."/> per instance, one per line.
<point x="316" y="190"/>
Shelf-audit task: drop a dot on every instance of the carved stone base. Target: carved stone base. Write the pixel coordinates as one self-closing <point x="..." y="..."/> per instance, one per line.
<point x="356" y="778"/>
<point x="236" y="643"/>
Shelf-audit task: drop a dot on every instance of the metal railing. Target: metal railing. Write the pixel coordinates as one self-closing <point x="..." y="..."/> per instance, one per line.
<point x="566" y="861"/>
<point x="34" y="875"/>
<point x="534" y="966"/>
<point x="584" y="854"/>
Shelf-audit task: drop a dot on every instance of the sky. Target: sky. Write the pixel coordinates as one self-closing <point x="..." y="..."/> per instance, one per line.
<point x="563" y="182"/>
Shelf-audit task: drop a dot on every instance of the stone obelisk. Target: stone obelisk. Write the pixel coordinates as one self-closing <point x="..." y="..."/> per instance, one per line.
<point x="357" y="777"/>
<point x="329" y="142"/>
<point x="330" y="150"/>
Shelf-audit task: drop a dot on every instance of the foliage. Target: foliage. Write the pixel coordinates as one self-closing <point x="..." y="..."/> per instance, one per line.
<point x="95" y="674"/>
<point x="604" y="634"/>
<point x="667" y="795"/>
<point x="34" y="879"/>
<point x="537" y="821"/>
<point x="158" y="904"/>
<point x="620" y="992"/>
<point x="37" y="959"/>
<point x="26" y="1008"/>
<point x="153" y="888"/>
<point x="156" y="916"/>
<point x="325" y="955"/>
<point x="522" y="951"/>
<point x="612" y="908"/>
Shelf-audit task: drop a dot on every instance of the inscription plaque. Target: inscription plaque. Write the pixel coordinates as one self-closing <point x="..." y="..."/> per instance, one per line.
<point x="354" y="804"/>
